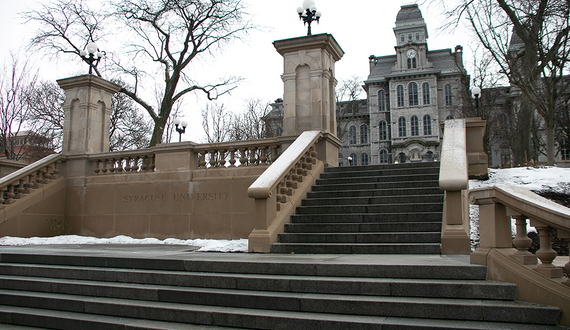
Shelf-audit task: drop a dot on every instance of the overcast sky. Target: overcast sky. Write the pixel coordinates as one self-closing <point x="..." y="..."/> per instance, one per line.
<point x="362" y="29"/>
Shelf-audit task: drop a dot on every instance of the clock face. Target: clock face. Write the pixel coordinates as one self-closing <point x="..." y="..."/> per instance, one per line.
<point x="411" y="53"/>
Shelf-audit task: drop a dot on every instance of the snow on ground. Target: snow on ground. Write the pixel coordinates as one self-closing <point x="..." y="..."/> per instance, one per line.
<point x="206" y="245"/>
<point x="539" y="179"/>
<point x="536" y="179"/>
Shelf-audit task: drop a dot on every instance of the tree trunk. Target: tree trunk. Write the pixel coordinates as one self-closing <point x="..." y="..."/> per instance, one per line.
<point x="550" y="149"/>
<point x="521" y="146"/>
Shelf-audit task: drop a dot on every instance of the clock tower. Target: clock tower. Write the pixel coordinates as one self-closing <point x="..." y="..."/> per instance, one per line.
<point x="411" y="35"/>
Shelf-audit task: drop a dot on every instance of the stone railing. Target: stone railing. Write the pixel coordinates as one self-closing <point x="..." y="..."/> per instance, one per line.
<point x="454" y="179"/>
<point x="497" y="205"/>
<point x="238" y="153"/>
<point x="142" y="160"/>
<point x="24" y="181"/>
<point x="279" y="190"/>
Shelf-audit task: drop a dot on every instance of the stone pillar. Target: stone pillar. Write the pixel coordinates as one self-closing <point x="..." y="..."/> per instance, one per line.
<point x="309" y="101"/>
<point x="87" y="110"/>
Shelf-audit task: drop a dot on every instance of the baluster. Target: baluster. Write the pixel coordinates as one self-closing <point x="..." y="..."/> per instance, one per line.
<point x="56" y="169"/>
<point x="263" y="158"/>
<point x="522" y="242"/>
<point x="564" y="235"/>
<point x="29" y="184"/>
<point x="47" y="174"/>
<point x="273" y="150"/>
<point x="242" y="159"/>
<point x="97" y="170"/>
<point x="546" y="254"/>
<point x="145" y="161"/>
<point x="202" y="157"/>
<point x="120" y="167"/>
<point x="2" y="190"/>
<point x="137" y="163"/>
<point x="128" y="164"/>
<point x="11" y="194"/>
<point x="313" y="154"/>
<point x="223" y="157"/>
<point x="213" y="158"/>
<point x="104" y="162"/>
<point x="232" y="157"/>
<point x="34" y="180"/>
<point x="252" y="160"/>
<point x="21" y="188"/>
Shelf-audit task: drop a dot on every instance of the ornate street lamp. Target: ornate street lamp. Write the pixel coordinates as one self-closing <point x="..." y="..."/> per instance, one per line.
<point x="180" y="130"/>
<point x="476" y="92"/>
<point x="309" y="13"/>
<point x="92" y="55"/>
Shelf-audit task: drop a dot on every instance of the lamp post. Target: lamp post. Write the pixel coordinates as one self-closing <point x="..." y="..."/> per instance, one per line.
<point x="309" y="13"/>
<point x="180" y="130"/>
<point x="476" y="92"/>
<point x="92" y="55"/>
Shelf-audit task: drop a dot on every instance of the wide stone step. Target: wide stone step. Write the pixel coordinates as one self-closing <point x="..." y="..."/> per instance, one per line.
<point x="357" y="248"/>
<point x="371" y="208"/>
<point x="396" y="179"/>
<point x="376" y="185"/>
<point x="265" y="320"/>
<point x="187" y="305"/>
<point x="333" y="193"/>
<point x="380" y="172"/>
<point x="410" y="199"/>
<point x="367" y="217"/>
<point x="361" y="227"/>
<point x="424" y="165"/>
<point x="402" y="237"/>
<point x="203" y="284"/>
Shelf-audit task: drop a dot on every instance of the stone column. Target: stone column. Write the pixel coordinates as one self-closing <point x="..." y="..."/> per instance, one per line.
<point x="87" y="110"/>
<point x="309" y="101"/>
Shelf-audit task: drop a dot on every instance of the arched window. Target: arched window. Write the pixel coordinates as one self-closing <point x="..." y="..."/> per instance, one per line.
<point x="412" y="63"/>
<point x="381" y="100"/>
<point x="401" y="158"/>
<point x="352" y="160"/>
<point x="402" y="38"/>
<point x="417" y="36"/>
<point x="400" y="95"/>
<point x="448" y="95"/>
<point x="352" y="135"/>
<point x="364" y="134"/>
<point x="410" y="36"/>
<point x="402" y="127"/>
<point x="414" y="126"/>
<point x="364" y="159"/>
<point x="413" y="93"/>
<point x="429" y="156"/>
<point x="383" y="156"/>
<point x="427" y="125"/>
<point x="340" y="160"/>
<point x="425" y="93"/>
<point x="382" y="130"/>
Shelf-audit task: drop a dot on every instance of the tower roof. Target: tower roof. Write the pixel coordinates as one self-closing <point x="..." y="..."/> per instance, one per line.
<point x="409" y="12"/>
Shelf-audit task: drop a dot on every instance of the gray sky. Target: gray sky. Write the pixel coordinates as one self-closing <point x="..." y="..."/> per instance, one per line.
<point x="363" y="29"/>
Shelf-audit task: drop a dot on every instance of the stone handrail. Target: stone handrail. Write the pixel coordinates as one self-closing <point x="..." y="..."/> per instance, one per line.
<point x="29" y="178"/>
<point x="498" y="204"/>
<point x="281" y="187"/>
<point x="237" y="153"/>
<point x="454" y="179"/>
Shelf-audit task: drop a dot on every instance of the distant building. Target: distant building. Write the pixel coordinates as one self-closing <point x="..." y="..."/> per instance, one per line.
<point x="26" y="147"/>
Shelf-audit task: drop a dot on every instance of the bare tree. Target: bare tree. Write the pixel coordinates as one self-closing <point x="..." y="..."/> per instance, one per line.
<point x="128" y="128"/>
<point x="16" y="83"/>
<point x="528" y="40"/>
<point x="216" y="121"/>
<point x="249" y="124"/>
<point x="347" y="94"/>
<point x="163" y="36"/>
<point x="46" y="114"/>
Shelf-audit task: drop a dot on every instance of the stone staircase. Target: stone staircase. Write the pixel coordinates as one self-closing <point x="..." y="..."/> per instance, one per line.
<point x="376" y="209"/>
<point x="79" y="288"/>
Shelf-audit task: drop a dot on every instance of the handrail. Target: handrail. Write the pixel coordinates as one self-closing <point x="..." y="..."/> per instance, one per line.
<point x="271" y="177"/>
<point x="499" y="203"/>
<point x="454" y="179"/>
<point x="29" y="177"/>
<point x="453" y="171"/>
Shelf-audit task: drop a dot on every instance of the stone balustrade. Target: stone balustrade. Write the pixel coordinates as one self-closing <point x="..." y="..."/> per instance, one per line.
<point x="279" y="190"/>
<point x="124" y="162"/>
<point x="237" y="153"/>
<point x="22" y="182"/>
<point x="497" y="205"/>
